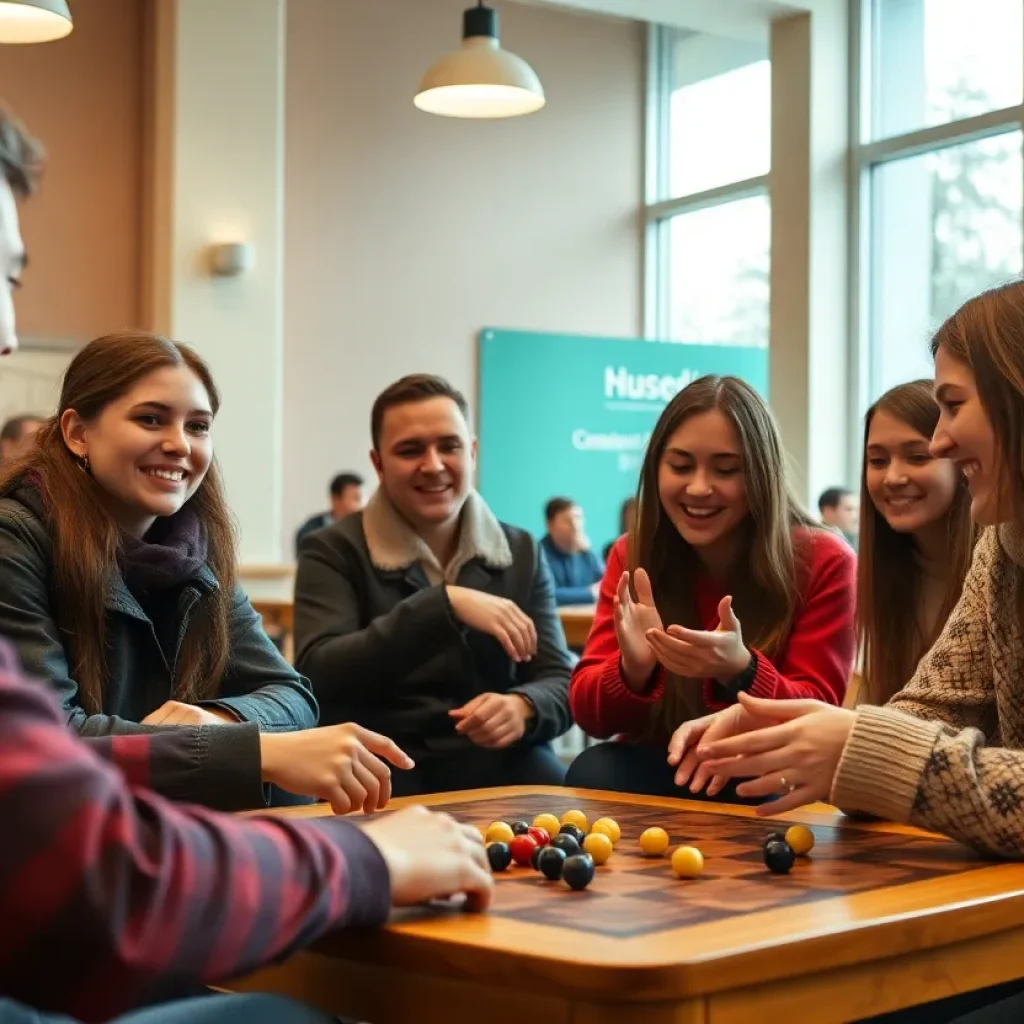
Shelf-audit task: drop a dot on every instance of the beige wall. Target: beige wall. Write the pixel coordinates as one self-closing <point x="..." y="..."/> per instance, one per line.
<point x="406" y="233"/>
<point x="83" y="97"/>
<point x="219" y="168"/>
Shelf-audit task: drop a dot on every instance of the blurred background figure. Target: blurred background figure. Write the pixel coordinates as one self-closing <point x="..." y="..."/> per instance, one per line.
<point x="840" y="509"/>
<point x="17" y="436"/>
<point x="346" y="497"/>
<point x="575" y="567"/>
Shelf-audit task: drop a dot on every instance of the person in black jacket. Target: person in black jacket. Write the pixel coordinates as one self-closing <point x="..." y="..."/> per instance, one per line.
<point x="118" y="590"/>
<point x="425" y="618"/>
<point x="346" y="494"/>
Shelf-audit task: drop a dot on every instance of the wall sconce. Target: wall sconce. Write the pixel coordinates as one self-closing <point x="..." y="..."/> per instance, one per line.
<point x="230" y="259"/>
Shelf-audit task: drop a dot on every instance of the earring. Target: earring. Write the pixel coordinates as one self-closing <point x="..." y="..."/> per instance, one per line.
<point x="83" y="464"/>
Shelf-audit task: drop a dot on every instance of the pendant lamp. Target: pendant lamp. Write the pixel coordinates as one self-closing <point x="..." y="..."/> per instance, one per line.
<point x="34" y="21"/>
<point x="480" y="79"/>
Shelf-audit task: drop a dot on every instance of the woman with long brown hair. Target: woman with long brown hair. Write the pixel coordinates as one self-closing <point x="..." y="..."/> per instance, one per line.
<point x="118" y="587"/>
<point x="724" y="585"/>
<point x="916" y="539"/>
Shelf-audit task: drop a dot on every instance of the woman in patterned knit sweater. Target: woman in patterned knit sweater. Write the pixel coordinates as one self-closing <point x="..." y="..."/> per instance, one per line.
<point x="947" y="752"/>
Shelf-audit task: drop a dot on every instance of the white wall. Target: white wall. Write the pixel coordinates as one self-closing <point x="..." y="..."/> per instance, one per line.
<point x="407" y="233"/>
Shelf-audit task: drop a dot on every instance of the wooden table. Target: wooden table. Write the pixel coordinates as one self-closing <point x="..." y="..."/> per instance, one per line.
<point x="898" y="918"/>
<point x="576" y="621"/>
<point x="276" y="612"/>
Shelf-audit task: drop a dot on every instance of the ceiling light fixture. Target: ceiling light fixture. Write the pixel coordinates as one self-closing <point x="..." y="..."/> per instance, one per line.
<point x="34" y="21"/>
<point x="480" y="79"/>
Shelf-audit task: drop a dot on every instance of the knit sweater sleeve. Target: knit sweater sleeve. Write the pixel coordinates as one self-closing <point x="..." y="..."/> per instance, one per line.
<point x="901" y="768"/>
<point x="922" y="758"/>
<point x="953" y="681"/>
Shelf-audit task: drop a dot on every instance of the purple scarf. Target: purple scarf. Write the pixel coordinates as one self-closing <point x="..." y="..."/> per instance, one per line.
<point x="173" y="551"/>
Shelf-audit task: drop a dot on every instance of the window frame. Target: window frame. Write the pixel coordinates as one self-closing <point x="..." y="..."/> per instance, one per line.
<point x="659" y="211"/>
<point x="864" y="157"/>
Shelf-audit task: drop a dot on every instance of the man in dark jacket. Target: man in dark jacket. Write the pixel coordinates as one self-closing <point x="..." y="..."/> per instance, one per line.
<point x="426" y="618"/>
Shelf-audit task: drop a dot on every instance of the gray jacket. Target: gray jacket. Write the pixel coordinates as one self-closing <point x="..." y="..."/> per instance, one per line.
<point x="260" y="687"/>
<point x="382" y="647"/>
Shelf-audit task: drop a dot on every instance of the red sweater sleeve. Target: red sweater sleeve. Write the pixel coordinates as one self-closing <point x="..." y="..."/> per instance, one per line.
<point x="601" y="703"/>
<point x="817" y="659"/>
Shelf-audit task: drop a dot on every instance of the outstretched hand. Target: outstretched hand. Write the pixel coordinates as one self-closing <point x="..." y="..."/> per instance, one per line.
<point x="702" y="654"/>
<point x="634" y="619"/>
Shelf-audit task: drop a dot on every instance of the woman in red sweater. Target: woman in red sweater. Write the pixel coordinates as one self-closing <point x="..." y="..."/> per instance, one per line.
<point x="724" y="584"/>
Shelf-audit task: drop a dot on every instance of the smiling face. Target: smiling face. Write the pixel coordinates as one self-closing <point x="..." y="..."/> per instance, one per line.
<point x="910" y="488"/>
<point x="425" y="460"/>
<point x="148" y="450"/>
<point x="700" y="480"/>
<point x="965" y="436"/>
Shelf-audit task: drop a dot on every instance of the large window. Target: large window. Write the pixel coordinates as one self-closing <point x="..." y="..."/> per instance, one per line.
<point x="709" y="150"/>
<point x="941" y="170"/>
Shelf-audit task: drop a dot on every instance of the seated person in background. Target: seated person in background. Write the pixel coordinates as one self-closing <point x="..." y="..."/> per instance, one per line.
<point x="346" y="494"/>
<point x="725" y="586"/>
<point x="425" y="617"/>
<point x="626" y="516"/>
<point x="916" y="539"/>
<point x="575" y="568"/>
<point x="17" y="436"/>
<point x="840" y="509"/>
<point x="118" y="587"/>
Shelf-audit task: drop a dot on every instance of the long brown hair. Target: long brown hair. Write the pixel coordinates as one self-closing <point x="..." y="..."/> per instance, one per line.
<point x="987" y="334"/>
<point x="889" y="631"/>
<point x="765" y="593"/>
<point x="86" y="539"/>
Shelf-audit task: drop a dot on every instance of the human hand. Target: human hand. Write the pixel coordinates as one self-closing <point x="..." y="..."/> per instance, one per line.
<point x="337" y="763"/>
<point x="493" y="720"/>
<point x="701" y="733"/>
<point x="792" y="748"/>
<point x="633" y="620"/>
<point x="431" y="856"/>
<point x="497" y="616"/>
<point x="700" y="654"/>
<point x="174" y="712"/>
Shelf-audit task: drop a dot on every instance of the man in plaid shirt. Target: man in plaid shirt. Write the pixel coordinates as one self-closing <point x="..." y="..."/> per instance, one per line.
<point x="112" y="898"/>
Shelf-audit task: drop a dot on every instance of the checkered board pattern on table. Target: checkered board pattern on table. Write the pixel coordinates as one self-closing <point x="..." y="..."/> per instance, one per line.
<point x="633" y="895"/>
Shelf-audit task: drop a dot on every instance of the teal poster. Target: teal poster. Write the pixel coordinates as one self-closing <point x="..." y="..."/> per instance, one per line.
<point x="566" y="415"/>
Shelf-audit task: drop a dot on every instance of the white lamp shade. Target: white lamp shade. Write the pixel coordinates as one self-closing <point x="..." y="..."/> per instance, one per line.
<point x="480" y="79"/>
<point x="34" y="21"/>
